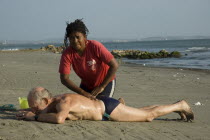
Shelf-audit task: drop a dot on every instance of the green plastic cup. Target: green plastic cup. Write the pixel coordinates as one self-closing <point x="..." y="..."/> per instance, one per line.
<point x="23" y="102"/>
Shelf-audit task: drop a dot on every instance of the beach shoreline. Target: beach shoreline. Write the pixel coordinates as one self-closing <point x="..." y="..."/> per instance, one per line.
<point x="119" y="60"/>
<point x="138" y="85"/>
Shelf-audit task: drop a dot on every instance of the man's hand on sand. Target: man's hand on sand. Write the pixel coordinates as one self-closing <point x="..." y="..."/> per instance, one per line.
<point x="26" y="115"/>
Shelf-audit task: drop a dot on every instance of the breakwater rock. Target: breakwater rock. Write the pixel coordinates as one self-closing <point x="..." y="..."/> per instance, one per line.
<point x="132" y="54"/>
<point x="53" y="48"/>
<point x="137" y="54"/>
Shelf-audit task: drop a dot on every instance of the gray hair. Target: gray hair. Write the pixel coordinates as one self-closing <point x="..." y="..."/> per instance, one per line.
<point x="38" y="95"/>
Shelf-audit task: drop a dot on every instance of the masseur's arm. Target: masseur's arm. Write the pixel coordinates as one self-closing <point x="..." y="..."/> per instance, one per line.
<point x="72" y="86"/>
<point x="113" y="66"/>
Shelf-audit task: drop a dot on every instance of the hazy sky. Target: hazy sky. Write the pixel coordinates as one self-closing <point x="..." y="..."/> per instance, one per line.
<point x="126" y="19"/>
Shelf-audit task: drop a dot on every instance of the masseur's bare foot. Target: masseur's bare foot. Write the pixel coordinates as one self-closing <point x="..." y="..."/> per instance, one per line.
<point x="186" y="111"/>
<point x="121" y="100"/>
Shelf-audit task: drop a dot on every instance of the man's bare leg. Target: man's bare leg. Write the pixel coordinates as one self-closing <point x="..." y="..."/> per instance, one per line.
<point x="125" y="113"/>
<point x="181" y="114"/>
<point x="149" y="107"/>
<point x="185" y="112"/>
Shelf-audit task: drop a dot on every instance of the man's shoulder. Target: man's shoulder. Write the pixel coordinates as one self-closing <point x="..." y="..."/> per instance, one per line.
<point x="66" y="96"/>
<point x="62" y="96"/>
<point x="62" y="101"/>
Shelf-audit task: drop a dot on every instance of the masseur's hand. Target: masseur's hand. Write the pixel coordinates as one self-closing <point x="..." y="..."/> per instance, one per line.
<point x="25" y="115"/>
<point x="97" y="91"/>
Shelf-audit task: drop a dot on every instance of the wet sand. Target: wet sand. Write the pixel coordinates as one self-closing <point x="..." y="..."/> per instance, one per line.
<point x="138" y="85"/>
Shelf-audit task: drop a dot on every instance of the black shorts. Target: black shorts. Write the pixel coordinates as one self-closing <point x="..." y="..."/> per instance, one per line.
<point x="110" y="104"/>
<point x="108" y="91"/>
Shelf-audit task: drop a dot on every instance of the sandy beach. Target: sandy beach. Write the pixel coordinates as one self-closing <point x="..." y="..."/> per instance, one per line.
<point x="138" y="85"/>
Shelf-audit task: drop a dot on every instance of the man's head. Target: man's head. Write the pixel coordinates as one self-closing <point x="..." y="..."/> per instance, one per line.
<point x="38" y="99"/>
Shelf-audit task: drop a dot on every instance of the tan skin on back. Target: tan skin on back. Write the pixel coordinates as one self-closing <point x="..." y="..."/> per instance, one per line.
<point x="80" y="108"/>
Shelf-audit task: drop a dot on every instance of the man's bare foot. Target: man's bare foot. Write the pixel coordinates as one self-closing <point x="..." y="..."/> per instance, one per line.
<point x="121" y="100"/>
<point x="186" y="110"/>
<point x="182" y="115"/>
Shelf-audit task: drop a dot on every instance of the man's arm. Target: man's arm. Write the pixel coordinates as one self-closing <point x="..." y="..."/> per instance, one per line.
<point x="60" y="117"/>
<point x="113" y="66"/>
<point x="72" y="86"/>
<point x="46" y="117"/>
<point x="62" y="108"/>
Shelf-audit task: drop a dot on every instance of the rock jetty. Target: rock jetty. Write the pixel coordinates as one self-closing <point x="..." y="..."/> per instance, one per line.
<point x="53" y="48"/>
<point x="137" y="54"/>
<point x="132" y="54"/>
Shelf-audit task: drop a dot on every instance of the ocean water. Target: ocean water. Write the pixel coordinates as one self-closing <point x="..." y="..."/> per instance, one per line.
<point x="195" y="53"/>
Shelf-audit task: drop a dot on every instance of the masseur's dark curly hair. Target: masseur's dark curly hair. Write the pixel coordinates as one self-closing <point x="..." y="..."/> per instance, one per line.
<point x="76" y="26"/>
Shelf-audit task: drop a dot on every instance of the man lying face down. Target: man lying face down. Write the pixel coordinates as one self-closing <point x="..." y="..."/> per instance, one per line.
<point x="46" y="108"/>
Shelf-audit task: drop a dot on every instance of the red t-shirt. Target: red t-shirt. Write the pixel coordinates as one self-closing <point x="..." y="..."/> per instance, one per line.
<point x="91" y="67"/>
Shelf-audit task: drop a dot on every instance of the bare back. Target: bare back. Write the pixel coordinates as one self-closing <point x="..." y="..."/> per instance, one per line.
<point x="80" y="107"/>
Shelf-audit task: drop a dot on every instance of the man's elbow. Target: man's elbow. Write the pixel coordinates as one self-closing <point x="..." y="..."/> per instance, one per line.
<point x="60" y="120"/>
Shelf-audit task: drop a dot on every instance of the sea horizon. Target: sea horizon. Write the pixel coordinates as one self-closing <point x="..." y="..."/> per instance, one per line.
<point x="106" y="40"/>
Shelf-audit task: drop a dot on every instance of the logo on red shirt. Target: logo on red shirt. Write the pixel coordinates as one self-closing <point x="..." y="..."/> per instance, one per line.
<point x="92" y="64"/>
